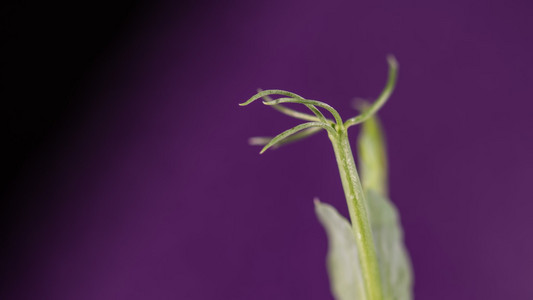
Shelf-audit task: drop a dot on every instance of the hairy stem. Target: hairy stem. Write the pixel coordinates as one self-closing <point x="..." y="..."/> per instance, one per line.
<point x="337" y="132"/>
<point x="357" y="208"/>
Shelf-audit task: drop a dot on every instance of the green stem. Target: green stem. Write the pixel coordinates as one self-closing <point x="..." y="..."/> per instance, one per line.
<point x="358" y="213"/>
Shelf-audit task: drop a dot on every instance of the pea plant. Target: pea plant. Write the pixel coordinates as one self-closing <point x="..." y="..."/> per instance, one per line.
<point x="366" y="259"/>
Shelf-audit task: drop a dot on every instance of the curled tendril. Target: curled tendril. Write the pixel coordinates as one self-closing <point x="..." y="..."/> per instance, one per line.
<point x="317" y="121"/>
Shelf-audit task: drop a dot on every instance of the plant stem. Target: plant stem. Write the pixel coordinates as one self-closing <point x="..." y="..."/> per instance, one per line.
<point x="357" y="208"/>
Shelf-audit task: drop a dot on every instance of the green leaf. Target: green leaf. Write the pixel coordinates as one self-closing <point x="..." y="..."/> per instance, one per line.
<point x="394" y="263"/>
<point x="343" y="262"/>
<point x="373" y="157"/>
<point x="344" y="269"/>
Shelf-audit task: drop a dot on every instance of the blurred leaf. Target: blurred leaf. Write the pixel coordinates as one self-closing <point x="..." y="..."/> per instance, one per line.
<point x="373" y="157"/>
<point x="342" y="260"/>
<point x="394" y="262"/>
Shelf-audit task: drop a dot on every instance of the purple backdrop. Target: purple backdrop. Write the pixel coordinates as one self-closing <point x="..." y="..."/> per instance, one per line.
<point x="162" y="198"/>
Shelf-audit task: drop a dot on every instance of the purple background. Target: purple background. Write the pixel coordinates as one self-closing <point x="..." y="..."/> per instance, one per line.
<point x="158" y="196"/>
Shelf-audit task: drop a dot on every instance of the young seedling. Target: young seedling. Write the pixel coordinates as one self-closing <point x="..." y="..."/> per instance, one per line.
<point x="366" y="259"/>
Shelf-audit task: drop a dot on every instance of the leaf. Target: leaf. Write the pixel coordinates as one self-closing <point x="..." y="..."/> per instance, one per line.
<point x="344" y="270"/>
<point x="373" y="157"/>
<point x="394" y="263"/>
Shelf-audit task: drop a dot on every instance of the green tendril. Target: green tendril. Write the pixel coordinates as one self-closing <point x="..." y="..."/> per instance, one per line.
<point x="294" y="130"/>
<point x="270" y="92"/>
<point x="385" y="94"/>
<point x="261" y="141"/>
<point x="308" y="102"/>
<point x="290" y="112"/>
